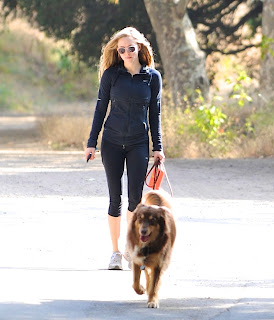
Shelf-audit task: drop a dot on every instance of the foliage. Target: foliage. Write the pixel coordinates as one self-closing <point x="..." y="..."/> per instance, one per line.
<point x="238" y="89"/>
<point x="208" y="120"/>
<point x="64" y="62"/>
<point x="5" y="95"/>
<point x="266" y="47"/>
<point x="195" y="131"/>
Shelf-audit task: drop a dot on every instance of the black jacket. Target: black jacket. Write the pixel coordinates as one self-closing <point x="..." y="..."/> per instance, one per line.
<point x="134" y="99"/>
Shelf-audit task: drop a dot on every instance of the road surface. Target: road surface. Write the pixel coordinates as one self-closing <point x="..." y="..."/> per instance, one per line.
<point x="55" y="246"/>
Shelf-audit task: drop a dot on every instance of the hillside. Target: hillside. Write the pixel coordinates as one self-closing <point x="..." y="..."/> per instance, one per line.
<point x="37" y="75"/>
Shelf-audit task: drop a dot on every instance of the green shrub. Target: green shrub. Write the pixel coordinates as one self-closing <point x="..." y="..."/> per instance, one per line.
<point x="5" y="95"/>
<point x="219" y="128"/>
<point x="208" y="120"/>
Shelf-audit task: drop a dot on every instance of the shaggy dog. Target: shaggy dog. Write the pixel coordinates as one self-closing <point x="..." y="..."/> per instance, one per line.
<point x="150" y="238"/>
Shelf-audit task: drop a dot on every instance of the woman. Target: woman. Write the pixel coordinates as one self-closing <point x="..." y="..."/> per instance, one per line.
<point x="130" y="82"/>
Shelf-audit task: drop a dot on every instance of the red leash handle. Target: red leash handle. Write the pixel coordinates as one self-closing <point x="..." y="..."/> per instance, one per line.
<point x="157" y="175"/>
<point x="157" y="171"/>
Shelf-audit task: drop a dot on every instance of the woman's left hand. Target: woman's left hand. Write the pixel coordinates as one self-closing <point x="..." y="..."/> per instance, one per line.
<point x="159" y="155"/>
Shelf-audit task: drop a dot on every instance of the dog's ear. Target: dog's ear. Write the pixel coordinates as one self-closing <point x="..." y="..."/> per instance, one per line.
<point x="132" y="232"/>
<point x="139" y="209"/>
<point x="135" y="215"/>
<point x="134" y="218"/>
<point x="139" y="206"/>
<point x="164" y="216"/>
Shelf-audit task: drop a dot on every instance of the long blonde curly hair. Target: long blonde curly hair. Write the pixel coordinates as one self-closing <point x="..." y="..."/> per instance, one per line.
<point x="110" y="56"/>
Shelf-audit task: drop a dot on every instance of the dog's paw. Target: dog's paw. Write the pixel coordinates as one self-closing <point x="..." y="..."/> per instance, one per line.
<point x="139" y="289"/>
<point x="153" y="304"/>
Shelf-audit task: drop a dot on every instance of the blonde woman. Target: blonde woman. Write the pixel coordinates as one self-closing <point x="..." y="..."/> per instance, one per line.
<point x="127" y="79"/>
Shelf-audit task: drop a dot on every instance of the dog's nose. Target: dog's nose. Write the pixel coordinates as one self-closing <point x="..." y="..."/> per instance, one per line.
<point x="143" y="232"/>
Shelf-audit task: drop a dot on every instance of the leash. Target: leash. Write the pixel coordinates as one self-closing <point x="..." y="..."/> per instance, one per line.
<point x="158" y="171"/>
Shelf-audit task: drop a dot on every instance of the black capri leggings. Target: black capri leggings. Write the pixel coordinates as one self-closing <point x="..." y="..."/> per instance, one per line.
<point x="114" y="158"/>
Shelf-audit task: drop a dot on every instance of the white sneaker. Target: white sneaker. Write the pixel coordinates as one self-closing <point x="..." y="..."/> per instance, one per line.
<point x="116" y="261"/>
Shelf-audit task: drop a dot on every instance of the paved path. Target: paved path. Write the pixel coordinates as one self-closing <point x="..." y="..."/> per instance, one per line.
<point x="55" y="246"/>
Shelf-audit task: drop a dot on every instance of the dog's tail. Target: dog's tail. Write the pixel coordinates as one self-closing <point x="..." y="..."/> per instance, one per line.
<point x="157" y="197"/>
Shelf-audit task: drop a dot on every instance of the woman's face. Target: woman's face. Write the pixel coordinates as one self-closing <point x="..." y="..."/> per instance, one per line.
<point x="128" y="50"/>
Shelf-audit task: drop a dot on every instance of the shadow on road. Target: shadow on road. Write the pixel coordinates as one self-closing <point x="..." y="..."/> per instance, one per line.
<point x="169" y="309"/>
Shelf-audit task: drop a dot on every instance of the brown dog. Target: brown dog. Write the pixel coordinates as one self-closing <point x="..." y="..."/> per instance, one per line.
<point x="150" y="238"/>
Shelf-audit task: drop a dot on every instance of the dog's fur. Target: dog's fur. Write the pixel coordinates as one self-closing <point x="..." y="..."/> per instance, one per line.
<point x="150" y="238"/>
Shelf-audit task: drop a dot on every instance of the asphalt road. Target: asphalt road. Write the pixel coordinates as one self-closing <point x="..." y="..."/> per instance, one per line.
<point x="55" y="246"/>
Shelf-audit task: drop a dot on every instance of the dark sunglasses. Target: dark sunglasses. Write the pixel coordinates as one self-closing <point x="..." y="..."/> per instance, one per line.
<point x="129" y="50"/>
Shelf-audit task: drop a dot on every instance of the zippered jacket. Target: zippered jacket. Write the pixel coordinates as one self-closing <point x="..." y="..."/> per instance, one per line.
<point x="135" y="107"/>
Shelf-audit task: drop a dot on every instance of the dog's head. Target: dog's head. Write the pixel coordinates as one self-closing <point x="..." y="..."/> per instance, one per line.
<point x="150" y="222"/>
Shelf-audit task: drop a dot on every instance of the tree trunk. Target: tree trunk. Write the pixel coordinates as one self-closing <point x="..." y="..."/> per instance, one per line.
<point x="183" y="61"/>
<point x="267" y="65"/>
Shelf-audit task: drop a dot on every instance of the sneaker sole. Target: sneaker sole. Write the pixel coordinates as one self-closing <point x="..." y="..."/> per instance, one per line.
<point x="115" y="268"/>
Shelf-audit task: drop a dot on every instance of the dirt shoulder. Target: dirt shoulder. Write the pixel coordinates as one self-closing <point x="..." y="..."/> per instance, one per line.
<point x="20" y="132"/>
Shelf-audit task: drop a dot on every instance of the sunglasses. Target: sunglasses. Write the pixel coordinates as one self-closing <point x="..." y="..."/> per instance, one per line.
<point x="129" y="50"/>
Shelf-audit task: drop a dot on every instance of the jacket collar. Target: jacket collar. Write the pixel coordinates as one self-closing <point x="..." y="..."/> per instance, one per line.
<point x="144" y="69"/>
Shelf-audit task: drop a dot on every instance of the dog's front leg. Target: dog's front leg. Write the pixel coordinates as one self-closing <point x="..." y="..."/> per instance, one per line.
<point x="136" y="280"/>
<point x="148" y="278"/>
<point x="154" y="286"/>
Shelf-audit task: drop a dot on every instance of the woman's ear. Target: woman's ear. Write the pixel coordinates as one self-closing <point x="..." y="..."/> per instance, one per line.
<point x="139" y="47"/>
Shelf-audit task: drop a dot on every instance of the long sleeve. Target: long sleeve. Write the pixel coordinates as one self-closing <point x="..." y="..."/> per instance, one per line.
<point x="155" y="111"/>
<point x="101" y="108"/>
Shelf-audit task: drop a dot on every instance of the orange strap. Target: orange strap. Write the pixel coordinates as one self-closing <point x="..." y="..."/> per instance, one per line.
<point x="158" y="171"/>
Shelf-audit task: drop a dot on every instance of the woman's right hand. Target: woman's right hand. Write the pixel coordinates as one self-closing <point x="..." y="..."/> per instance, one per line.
<point x="88" y="151"/>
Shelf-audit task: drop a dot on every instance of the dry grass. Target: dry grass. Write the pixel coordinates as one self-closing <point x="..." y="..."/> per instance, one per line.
<point x="71" y="132"/>
<point x="261" y="142"/>
<point x="260" y="146"/>
<point x="62" y="132"/>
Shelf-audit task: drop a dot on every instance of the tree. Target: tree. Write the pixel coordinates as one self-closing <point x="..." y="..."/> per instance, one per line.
<point x="183" y="61"/>
<point x="267" y="65"/>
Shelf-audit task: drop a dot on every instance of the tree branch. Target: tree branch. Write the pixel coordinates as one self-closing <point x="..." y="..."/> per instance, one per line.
<point x="209" y="50"/>
<point x="244" y="19"/>
<point x="215" y="7"/>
